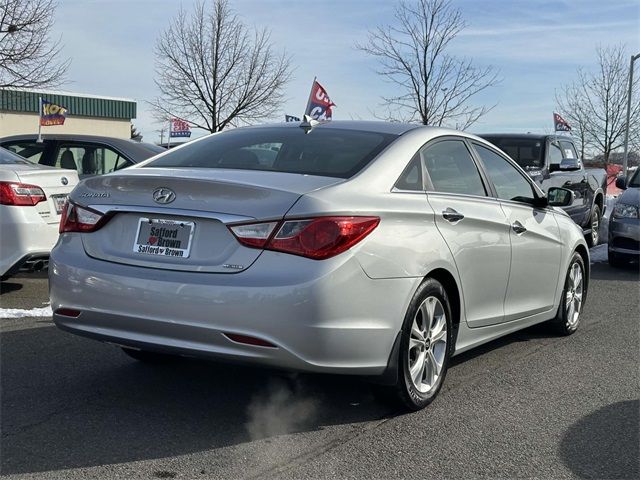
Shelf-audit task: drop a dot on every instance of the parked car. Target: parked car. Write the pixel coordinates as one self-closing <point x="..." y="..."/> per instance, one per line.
<point x="88" y="154"/>
<point x="363" y="248"/>
<point x="624" y="224"/>
<point x="552" y="161"/>
<point x="32" y="197"/>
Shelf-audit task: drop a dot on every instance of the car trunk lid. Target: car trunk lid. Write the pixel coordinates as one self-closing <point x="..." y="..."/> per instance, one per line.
<point x="189" y="232"/>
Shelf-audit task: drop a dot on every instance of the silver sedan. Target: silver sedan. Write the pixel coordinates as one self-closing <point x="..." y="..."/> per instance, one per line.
<point x="358" y="248"/>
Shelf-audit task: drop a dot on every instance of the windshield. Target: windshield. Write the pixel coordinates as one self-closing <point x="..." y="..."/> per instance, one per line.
<point x="527" y="152"/>
<point x="10" y="158"/>
<point x="328" y="152"/>
<point x="635" y="179"/>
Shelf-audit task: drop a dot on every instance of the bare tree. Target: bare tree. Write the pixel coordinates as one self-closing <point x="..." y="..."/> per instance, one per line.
<point x="28" y="56"/>
<point x="599" y="100"/>
<point x="212" y="71"/>
<point x="573" y="111"/>
<point x="434" y="88"/>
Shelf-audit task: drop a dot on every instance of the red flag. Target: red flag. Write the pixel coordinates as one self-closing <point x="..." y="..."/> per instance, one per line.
<point x="560" y="123"/>
<point x="319" y="105"/>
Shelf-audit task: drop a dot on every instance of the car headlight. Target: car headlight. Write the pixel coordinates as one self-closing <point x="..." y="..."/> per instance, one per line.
<point x="622" y="210"/>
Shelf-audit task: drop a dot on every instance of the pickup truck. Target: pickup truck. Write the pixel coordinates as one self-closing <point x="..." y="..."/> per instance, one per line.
<point x="552" y="161"/>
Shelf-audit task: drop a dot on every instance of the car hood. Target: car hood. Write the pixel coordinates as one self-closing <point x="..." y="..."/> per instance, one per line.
<point x="631" y="196"/>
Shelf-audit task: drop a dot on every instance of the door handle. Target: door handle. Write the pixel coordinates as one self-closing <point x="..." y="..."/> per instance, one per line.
<point x="518" y="227"/>
<point x="451" y="215"/>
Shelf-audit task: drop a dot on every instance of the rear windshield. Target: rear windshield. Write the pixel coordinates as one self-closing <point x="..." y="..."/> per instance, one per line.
<point x="328" y="152"/>
<point x="9" y="158"/>
<point x="527" y="152"/>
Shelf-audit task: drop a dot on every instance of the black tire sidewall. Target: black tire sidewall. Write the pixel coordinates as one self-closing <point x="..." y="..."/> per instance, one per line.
<point x="594" y="211"/>
<point x="561" y="320"/>
<point x="413" y="398"/>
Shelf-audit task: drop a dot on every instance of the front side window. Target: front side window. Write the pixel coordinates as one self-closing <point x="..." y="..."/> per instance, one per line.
<point x="451" y="168"/>
<point x="510" y="184"/>
<point x="555" y="154"/>
<point x="323" y="151"/>
<point x="569" y="150"/>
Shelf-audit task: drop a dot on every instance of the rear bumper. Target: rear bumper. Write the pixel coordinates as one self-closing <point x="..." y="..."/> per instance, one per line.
<point x="25" y="236"/>
<point x="325" y="316"/>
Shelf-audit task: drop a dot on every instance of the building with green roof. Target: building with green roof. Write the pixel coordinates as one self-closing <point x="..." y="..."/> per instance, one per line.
<point x="86" y="114"/>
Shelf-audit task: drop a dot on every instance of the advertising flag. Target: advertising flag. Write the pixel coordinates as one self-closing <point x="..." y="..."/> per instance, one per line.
<point x="319" y="104"/>
<point x="291" y="118"/>
<point x="560" y="124"/>
<point x="179" y="128"/>
<point x="51" y="114"/>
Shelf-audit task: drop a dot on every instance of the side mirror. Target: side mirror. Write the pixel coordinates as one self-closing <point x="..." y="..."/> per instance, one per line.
<point x="569" y="164"/>
<point x="621" y="182"/>
<point x="560" y="197"/>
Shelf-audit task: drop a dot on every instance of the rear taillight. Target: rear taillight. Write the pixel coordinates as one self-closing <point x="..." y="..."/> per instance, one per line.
<point x="80" y="219"/>
<point x="316" y="238"/>
<point x="20" y="194"/>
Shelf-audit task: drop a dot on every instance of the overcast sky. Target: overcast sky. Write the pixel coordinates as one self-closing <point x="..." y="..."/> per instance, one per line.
<point x="537" y="46"/>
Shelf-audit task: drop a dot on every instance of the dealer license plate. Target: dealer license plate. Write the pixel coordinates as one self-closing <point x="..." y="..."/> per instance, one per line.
<point x="59" y="201"/>
<point x="166" y="238"/>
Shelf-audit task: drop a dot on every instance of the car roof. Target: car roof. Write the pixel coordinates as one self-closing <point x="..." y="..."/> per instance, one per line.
<point x="392" y="128"/>
<point x="130" y="147"/>
<point x="531" y="136"/>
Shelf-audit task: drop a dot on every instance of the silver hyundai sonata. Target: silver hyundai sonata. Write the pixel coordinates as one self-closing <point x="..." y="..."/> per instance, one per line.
<point x="360" y="248"/>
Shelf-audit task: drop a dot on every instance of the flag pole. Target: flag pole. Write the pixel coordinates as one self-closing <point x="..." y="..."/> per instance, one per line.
<point x="309" y="100"/>
<point x="169" y="135"/>
<point x="39" y="120"/>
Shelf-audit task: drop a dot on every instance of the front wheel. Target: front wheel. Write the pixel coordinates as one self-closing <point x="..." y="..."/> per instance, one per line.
<point x="594" y="236"/>
<point x="567" y="319"/>
<point x="425" y="347"/>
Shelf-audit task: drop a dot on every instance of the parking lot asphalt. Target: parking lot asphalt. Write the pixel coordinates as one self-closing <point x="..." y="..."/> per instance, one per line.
<point x="528" y="405"/>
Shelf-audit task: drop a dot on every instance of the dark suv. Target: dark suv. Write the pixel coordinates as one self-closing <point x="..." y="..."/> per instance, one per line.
<point x="552" y="161"/>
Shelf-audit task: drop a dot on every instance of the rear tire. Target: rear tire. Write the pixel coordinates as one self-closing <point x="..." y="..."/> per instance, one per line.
<point x="425" y="348"/>
<point x="567" y="319"/>
<point x="594" y="235"/>
<point x="146" y="356"/>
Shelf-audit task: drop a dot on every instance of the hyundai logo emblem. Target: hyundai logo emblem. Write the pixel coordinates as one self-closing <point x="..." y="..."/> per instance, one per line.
<point x="163" y="195"/>
<point x="64" y="180"/>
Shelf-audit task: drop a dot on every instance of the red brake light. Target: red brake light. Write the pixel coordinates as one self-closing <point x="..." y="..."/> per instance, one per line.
<point x="20" y="194"/>
<point x="80" y="219"/>
<point x="316" y="238"/>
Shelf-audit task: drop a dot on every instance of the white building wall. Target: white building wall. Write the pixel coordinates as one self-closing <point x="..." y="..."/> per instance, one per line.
<point x="12" y="123"/>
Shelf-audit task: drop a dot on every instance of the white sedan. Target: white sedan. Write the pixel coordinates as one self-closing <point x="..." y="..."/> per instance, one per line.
<point x="32" y="198"/>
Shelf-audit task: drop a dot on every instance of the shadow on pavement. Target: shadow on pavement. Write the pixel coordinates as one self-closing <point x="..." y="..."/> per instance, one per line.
<point x="7" y="287"/>
<point x="604" y="271"/>
<point x="68" y="402"/>
<point x="604" y="444"/>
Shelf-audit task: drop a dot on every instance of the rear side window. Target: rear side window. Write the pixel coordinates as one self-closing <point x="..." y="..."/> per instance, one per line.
<point x="329" y="152"/>
<point x="451" y="168"/>
<point x="89" y="159"/>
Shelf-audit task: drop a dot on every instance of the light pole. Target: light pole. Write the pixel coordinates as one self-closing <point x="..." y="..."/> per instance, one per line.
<point x="626" y="132"/>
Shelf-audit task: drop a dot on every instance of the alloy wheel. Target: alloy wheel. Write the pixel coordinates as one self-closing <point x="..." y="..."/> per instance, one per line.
<point x="575" y="290"/>
<point x="427" y="344"/>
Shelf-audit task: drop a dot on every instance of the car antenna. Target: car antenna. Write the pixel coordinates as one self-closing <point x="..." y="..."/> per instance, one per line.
<point x="309" y="123"/>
